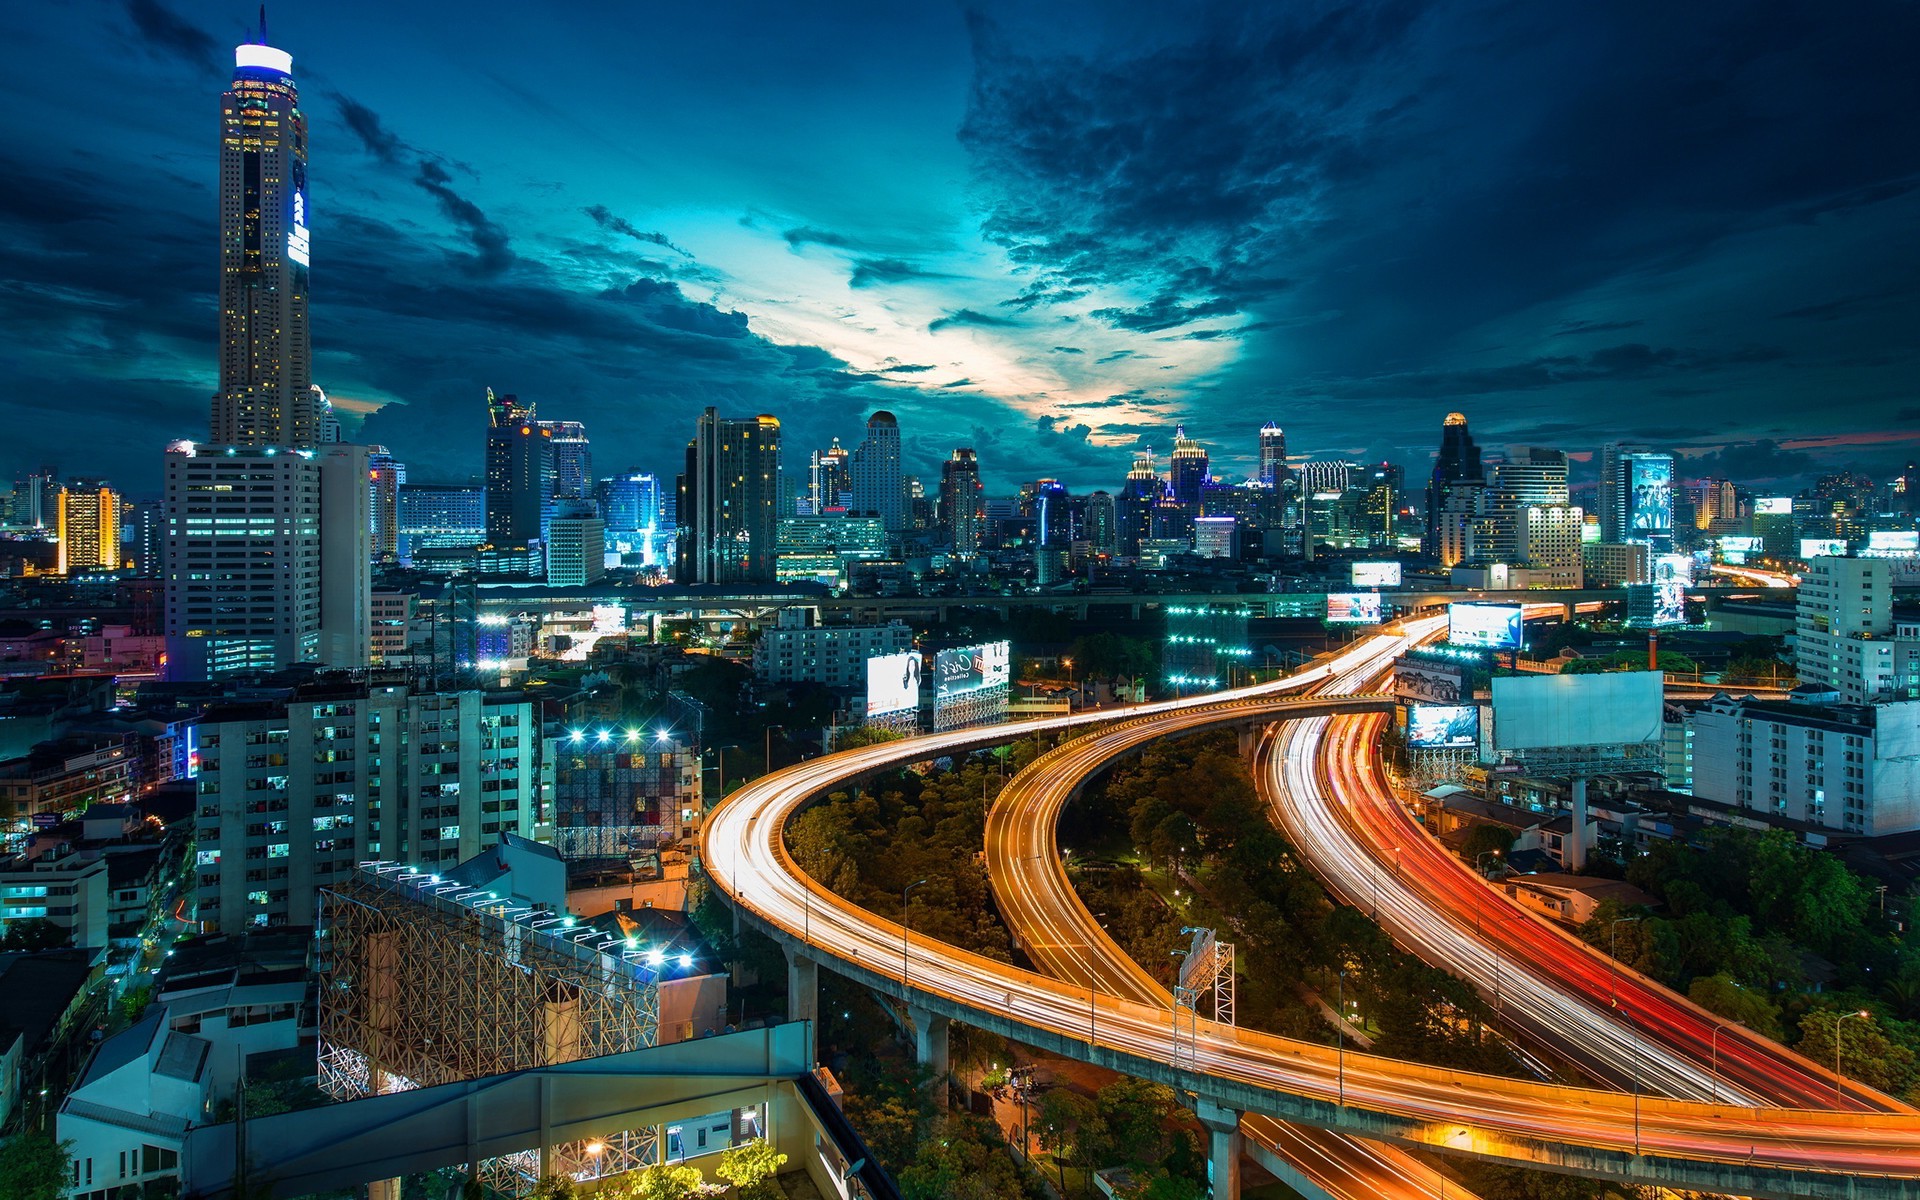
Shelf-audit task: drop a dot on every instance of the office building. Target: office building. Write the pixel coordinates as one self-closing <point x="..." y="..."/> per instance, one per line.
<point x="1717" y="504"/>
<point x="729" y="499"/>
<point x="1102" y="524"/>
<point x="1457" y="465"/>
<point x="1325" y="476"/>
<point x="1849" y="767"/>
<point x="874" y="472"/>
<point x="820" y="549"/>
<point x="1843" y="627"/>
<point x="265" y="395"/>
<point x="630" y="503"/>
<point x="799" y="651"/>
<point x="963" y="504"/>
<point x="61" y="887"/>
<point x="88" y="528"/>
<point x="1138" y="499"/>
<point x="1636" y="496"/>
<point x="295" y="791"/>
<point x="435" y="515"/>
<point x="1615" y="564"/>
<point x="829" y="479"/>
<point x="1213" y="537"/>
<point x="149" y="541"/>
<point x="1188" y="470"/>
<point x="1273" y="455"/>
<point x="572" y="460"/>
<point x="385" y="476"/>
<point x="520" y="472"/>
<point x="576" y="545"/>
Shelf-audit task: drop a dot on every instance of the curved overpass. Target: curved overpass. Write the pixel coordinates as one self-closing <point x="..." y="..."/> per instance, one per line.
<point x="1737" y="1149"/>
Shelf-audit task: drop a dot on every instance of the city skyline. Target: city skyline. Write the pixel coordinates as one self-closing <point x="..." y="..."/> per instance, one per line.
<point x="918" y="235"/>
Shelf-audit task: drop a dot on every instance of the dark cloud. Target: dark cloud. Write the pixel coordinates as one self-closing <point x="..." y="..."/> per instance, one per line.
<point x="870" y="271"/>
<point x="1910" y="415"/>
<point x="492" y="249"/>
<point x="1755" y="461"/>
<point x="908" y="368"/>
<point x="1628" y="361"/>
<point x="607" y="220"/>
<point x="958" y="383"/>
<point x="806" y="235"/>
<point x="167" y="34"/>
<point x="967" y="317"/>
<point x="1571" y="328"/>
<point x="1068" y="350"/>
<point x="373" y="133"/>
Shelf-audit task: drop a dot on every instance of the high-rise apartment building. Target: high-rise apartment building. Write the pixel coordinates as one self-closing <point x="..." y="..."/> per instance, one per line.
<point x="572" y="460"/>
<point x="963" y="502"/>
<point x="729" y="499"/>
<point x="1273" y="455"/>
<point x="1843" y="627"/>
<point x="576" y="545"/>
<point x="265" y="396"/>
<point x="875" y="473"/>
<point x="1718" y="502"/>
<point x="1102" y="525"/>
<point x="1189" y="469"/>
<point x="88" y="528"/>
<point x="1457" y="464"/>
<point x="520" y="472"/>
<point x="829" y="479"/>
<point x="385" y="475"/>
<point x="294" y="792"/>
<point x="1850" y="767"/>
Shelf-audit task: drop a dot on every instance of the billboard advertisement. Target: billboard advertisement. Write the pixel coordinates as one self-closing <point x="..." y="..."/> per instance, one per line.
<point x="1650" y="501"/>
<point x="1896" y="540"/>
<point x="971" y="669"/>
<point x="893" y="683"/>
<point x="1376" y="574"/>
<point x="1490" y="626"/>
<point x="1773" y="506"/>
<point x="1673" y="568"/>
<point x="1353" y="608"/>
<point x="1443" y="726"/>
<point x="1427" y="683"/>
<point x="1561" y="712"/>
<point x="1740" y="544"/>
<point x="1823" y="547"/>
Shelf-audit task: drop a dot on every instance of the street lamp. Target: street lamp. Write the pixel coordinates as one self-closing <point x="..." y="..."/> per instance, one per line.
<point x="903" y="936"/>
<point x="769" y="750"/>
<point x="1340" y="1035"/>
<point x="1613" y="964"/>
<point x="1713" y="1045"/>
<point x="1839" y="1079"/>
<point x="1480" y="858"/>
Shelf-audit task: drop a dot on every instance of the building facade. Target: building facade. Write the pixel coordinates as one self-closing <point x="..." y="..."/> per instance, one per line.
<point x="520" y="470"/>
<point x="834" y="655"/>
<point x="1851" y="767"/>
<point x="874" y="473"/>
<point x="1843" y="627"/>
<point x="963" y="505"/>
<point x="729" y="500"/>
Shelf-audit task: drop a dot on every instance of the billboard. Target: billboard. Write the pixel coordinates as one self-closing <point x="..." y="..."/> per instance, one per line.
<point x="1650" y="501"/>
<point x="1773" y="506"/>
<point x="1428" y="683"/>
<point x="1353" y="608"/>
<point x="1823" y="547"/>
<point x="971" y="669"/>
<point x="1443" y="726"/>
<point x="1894" y="539"/>
<point x="1555" y="712"/>
<point x="1492" y="626"/>
<point x="1740" y="544"/>
<point x="893" y="683"/>
<point x="1376" y="574"/>
<point x="1673" y="568"/>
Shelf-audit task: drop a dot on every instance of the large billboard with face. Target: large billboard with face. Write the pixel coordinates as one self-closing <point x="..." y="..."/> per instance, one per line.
<point x="971" y="669"/>
<point x="1428" y="683"/>
<point x="1353" y="608"/>
<point x="1650" y="499"/>
<point x="1773" y="506"/>
<point x="1443" y="726"/>
<point x="1823" y="547"/>
<point x="1489" y="626"/>
<point x="893" y="683"/>
<point x="1376" y="574"/>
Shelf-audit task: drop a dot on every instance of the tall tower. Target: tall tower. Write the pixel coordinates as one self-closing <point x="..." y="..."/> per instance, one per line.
<point x="519" y="472"/>
<point x="266" y="395"/>
<point x="572" y="460"/>
<point x="1137" y="500"/>
<point x="876" y="473"/>
<point x="1189" y="468"/>
<point x="88" y="524"/>
<point x="1458" y="463"/>
<point x="1273" y="455"/>
<point x="386" y="475"/>
<point x="729" y="500"/>
<point x="963" y="504"/>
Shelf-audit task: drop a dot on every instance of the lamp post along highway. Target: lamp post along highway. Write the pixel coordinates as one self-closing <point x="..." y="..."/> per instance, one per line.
<point x="1713" y="1046"/>
<point x="1839" y="1080"/>
<point x="903" y="936"/>
<point x="1613" y="964"/>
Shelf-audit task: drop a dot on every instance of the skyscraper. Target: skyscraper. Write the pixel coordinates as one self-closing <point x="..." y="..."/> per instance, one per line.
<point x="572" y="460"/>
<point x="576" y="551"/>
<point x="1458" y="463"/>
<point x="1636" y="496"/>
<point x="1137" y="501"/>
<point x="88" y="528"/>
<point x="729" y="500"/>
<point x="1103" y="524"/>
<point x="385" y="475"/>
<point x="1189" y="471"/>
<point x="266" y="395"/>
<point x="963" y="505"/>
<point x="1273" y="455"/>
<point x="829" y="478"/>
<point x="875" y="471"/>
<point x="519" y="472"/>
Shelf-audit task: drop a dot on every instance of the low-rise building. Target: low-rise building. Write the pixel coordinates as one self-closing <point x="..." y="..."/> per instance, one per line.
<point x="60" y="886"/>
<point x="1849" y="767"/>
<point x="61" y="779"/>
<point x="799" y="651"/>
<point x="1616" y="564"/>
<point x="128" y="1117"/>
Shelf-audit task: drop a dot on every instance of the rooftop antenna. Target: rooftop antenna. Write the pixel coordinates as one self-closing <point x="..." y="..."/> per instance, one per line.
<point x="263" y="25"/>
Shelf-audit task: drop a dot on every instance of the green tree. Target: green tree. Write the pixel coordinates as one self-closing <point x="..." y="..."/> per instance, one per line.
<point x="1068" y="1124"/>
<point x="1135" y="1113"/>
<point x="1866" y="1053"/>
<point x="1486" y="838"/>
<point x="865" y="735"/>
<point x="34" y="1167"/>
<point x="552" y="1187"/>
<point x="1721" y="994"/>
<point x="662" y="1181"/>
<point x="35" y="933"/>
<point x="750" y="1168"/>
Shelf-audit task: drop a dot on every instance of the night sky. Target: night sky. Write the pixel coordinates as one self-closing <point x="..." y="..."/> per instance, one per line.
<point x="1046" y="230"/>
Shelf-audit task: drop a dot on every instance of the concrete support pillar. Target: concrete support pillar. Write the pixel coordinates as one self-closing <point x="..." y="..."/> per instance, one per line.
<point x="1224" y="1147"/>
<point x="1576" y="847"/>
<point x="659" y="1145"/>
<point x="930" y="1042"/>
<point x="803" y="994"/>
<point x="1249" y="737"/>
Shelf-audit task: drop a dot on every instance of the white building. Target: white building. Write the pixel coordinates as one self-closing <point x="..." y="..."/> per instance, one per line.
<point x="1850" y="767"/>
<point x="60" y="887"/>
<point x="1616" y="564"/>
<point x="128" y="1116"/>
<point x="294" y="792"/>
<point x="835" y="655"/>
<point x="1213" y="537"/>
<point x="1843" y="627"/>
<point x="576" y="547"/>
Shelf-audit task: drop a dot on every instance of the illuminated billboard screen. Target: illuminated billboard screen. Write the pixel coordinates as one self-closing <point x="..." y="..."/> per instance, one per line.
<point x="1353" y="608"/>
<point x="1650" y="503"/>
<point x="1823" y="547"/>
<point x="1669" y="604"/>
<point x="1428" y="683"/>
<point x="1673" y="568"/>
<point x="1491" y="626"/>
<point x="1443" y="726"/>
<point x="893" y="683"/>
<point x="1894" y="539"/>
<point x="1773" y="506"/>
<point x="971" y="669"/>
<point x="1376" y="574"/>
<point x="1737" y="544"/>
